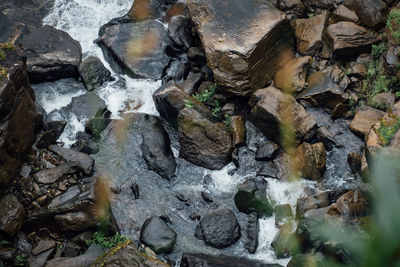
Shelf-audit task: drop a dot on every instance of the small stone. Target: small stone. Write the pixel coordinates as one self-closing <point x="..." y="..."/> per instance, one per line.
<point x="267" y="151"/>
<point x="42" y="246"/>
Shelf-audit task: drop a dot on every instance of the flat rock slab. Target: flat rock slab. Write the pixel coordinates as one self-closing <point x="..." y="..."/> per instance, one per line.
<point x="136" y="48"/>
<point x="364" y="119"/>
<point x="49" y="176"/>
<point x="82" y="160"/>
<point x="242" y="40"/>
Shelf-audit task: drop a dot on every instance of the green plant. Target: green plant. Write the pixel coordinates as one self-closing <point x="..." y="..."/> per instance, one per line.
<point x="188" y="103"/>
<point x="3" y="242"/>
<point x="393" y="24"/>
<point x="104" y="241"/>
<point x="216" y="111"/>
<point x="388" y="129"/>
<point x="3" y="73"/>
<point x="20" y="260"/>
<point x="4" y="47"/>
<point x="206" y="95"/>
<point x="227" y="120"/>
<point x="377" y="50"/>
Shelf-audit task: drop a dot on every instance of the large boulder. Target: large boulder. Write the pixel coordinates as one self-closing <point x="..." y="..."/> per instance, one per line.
<point x="219" y="228"/>
<point x="136" y="48"/>
<point x="74" y="221"/>
<point x="309" y="34"/>
<point x="84" y="161"/>
<point x="310" y="160"/>
<point x="27" y="12"/>
<point x="242" y="40"/>
<point x="11" y="32"/>
<point x="371" y="12"/>
<point x="52" y="54"/>
<point x="18" y="115"/>
<point x="252" y="197"/>
<point x="348" y="39"/>
<point x="12" y="213"/>
<point x="203" y="142"/>
<point x="170" y="100"/>
<point x="158" y="235"/>
<point x="272" y="109"/>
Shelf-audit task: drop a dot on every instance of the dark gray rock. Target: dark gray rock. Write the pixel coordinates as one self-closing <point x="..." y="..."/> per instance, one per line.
<point x="218" y="228"/>
<point x="84" y="161"/>
<point x="196" y="260"/>
<point x="49" y="176"/>
<point x="371" y="12"/>
<point x="42" y="246"/>
<point x="12" y="214"/>
<point x="180" y="31"/>
<point x="267" y="151"/>
<point x="52" y="54"/>
<point x="252" y="230"/>
<point x="21" y="242"/>
<point x="157" y="235"/>
<point x="86" y="259"/>
<point x="93" y="73"/>
<point x="252" y="197"/>
<point x="74" y="221"/>
<point x="53" y="130"/>
<point x="148" y="40"/>
<point x="192" y="83"/>
<point x="196" y="56"/>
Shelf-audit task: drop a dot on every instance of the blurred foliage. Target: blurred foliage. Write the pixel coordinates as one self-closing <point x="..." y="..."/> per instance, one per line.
<point x="393" y="24"/>
<point x="388" y="129"/>
<point x="20" y="260"/>
<point x="102" y="240"/>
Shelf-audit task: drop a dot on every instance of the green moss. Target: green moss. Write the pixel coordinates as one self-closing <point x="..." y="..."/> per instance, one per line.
<point x="387" y="130"/>
<point x="104" y="241"/>
<point x="188" y="103"/>
<point x="20" y="260"/>
<point x="216" y="111"/>
<point x="393" y="24"/>
<point x="377" y="50"/>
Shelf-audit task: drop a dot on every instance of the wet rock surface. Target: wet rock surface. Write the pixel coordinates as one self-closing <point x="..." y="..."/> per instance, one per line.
<point x="242" y="67"/>
<point x="12" y="214"/>
<point x="219" y="228"/>
<point x="93" y="73"/>
<point x="157" y="235"/>
<point x="51" y="54"/>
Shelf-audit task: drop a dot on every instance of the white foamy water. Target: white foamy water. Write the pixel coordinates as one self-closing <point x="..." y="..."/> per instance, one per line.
<point x="82" y="19"/>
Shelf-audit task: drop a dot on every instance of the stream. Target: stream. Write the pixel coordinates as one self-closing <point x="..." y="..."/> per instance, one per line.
<point x="123" y="164"/>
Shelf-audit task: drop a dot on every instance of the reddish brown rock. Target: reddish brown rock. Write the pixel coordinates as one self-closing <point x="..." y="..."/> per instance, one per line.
<point x="309" y="34"/>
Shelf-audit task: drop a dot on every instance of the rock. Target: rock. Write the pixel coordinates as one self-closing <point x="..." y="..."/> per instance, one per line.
<point x="22" y="243"/>
<point x="145" y="56"/>
<point x="52" y="54"/>
<point x="93" y="73"/>
<point x="27" y="12"/>
<point x="384" y="100"/>
<point x="18" y="116"/>
<point x="131" y="256"/>
<point x="85" y="106"/>
<point x="39" y="260"/>
<point x="318" y="201"/>
<point x="156" y="148"/>
<point x="170" y="100"/>
<point x="95" y="126"/>
<point x="158" y="235"/>
<point x="364" y="119"/>
<point x="233" y="57"/>
<point x="7" y="254"/>
<point x="53" y="130"/>
<point x="194" y="260"/>
<point x="291" y="78"/>
<point x="310" y="161"/>
<point x="354" y="160"/>
<point x="87" y="146"/>
<point x="326" y="137"/>
<point x="180" y="30"/>
<point x="42" y="246"/>
<point x="192" y="83"/>
<point x="267" y="151"/>
<point x="324" y="89"/>
<point x="76" y="198"/>
<point x="283" y="213"/>
<point x="372" y="13"/>
<point x="196" y="56"/>
<point x="309" y="34"/>
<point x="49" y="176"/>
<point x="202" y="142"/>
<point x="284" y="243"/>
<point x="348" y="39"/>
<point x="84" y="161"/>
<point x="252" y="230"/>
<point x="269" y="170"/>
<point x="219" y="228"/>
<point x="252" y="197"/>
<point x="12" y="214"/>
<point x="321" y="4"/>
<point x="74" y="221"/>
<point x="351" y="204"/>
<point x="86" y="259"/>
<point x="357" y="70"/>
<point x="11" y="32"/>
<point x="292" y="6"/>
<point x="342" y="13"/>
<point x="272" y="108"/>
<point x="238" y="131"/>
<point x="145" y="9"/>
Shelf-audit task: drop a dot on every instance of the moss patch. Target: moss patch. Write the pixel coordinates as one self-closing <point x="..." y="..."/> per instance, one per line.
<point x="388" y="129"/>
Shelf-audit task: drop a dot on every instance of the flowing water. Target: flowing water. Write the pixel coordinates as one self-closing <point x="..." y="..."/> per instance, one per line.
<point x="82" y="19"/>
